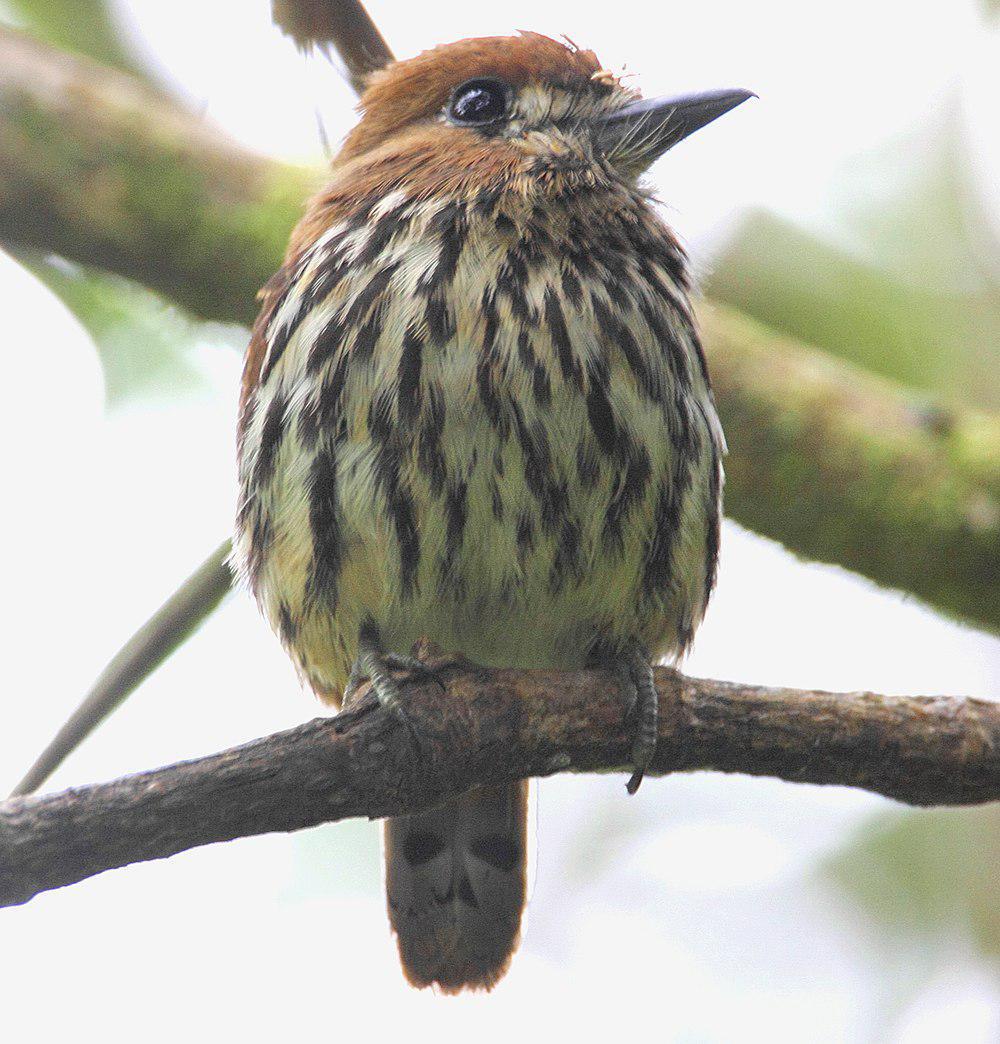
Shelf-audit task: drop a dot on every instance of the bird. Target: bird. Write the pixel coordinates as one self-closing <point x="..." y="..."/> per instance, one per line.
<point x="475" y="409"/>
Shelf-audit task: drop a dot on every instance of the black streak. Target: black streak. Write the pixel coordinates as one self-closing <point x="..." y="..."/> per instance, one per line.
<point x="712" y="517"/>
<point x="389" y="453"/>
<point x="270" y="440"/>
<point x="599" y="411"/>
<point x="631" y="488"/>
<point x="560" y="337"/>
<point x="408" y="380"/>
<point x="325" y="525"/>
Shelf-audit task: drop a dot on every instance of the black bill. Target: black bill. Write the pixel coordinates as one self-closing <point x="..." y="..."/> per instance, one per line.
<point x="644" y="130"/>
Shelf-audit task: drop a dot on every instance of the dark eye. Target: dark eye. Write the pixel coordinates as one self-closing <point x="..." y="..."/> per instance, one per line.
<point x="477" y="103"/>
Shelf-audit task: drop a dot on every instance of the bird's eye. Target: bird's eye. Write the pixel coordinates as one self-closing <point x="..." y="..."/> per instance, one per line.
<point x="478" y="103"/>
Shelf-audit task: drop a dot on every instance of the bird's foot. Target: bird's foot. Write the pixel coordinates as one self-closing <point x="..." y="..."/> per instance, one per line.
<point x="635" y="671"/>
<point x="374" y="665"/>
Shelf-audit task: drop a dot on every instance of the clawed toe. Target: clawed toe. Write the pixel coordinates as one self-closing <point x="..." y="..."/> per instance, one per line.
<point x="642" y="709"/>
<point x="410" y="664"/>
<point x="374" y="665"/>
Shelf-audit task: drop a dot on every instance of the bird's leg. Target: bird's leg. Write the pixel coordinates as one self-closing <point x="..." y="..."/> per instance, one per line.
<point x="374" y="664"/>
<point x="360" y="672"/>
<point x="635" y="671"/>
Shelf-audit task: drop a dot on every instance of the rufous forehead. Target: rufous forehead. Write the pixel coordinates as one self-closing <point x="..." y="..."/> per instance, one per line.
<point x="420" y="86"/>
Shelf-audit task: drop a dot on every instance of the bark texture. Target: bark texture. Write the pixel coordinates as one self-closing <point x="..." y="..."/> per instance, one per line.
<point x="478" y="726"/>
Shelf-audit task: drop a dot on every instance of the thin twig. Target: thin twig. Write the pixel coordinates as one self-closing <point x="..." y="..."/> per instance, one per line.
<point x="492" y="726"/>
<point x="172" y="624"/>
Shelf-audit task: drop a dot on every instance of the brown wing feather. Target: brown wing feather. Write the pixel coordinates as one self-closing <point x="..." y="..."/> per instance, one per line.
<point x="320" y="213"/>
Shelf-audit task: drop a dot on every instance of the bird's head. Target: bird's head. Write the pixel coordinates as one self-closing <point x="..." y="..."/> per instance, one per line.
<point x="503" y="109"/>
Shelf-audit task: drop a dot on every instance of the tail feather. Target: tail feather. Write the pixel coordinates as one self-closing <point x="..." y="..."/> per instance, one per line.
<point x="455" y="884"/>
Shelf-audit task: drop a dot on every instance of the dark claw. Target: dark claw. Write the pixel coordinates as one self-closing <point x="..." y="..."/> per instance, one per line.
<point x="374" y="664"/>
<point x="643" y="708"/>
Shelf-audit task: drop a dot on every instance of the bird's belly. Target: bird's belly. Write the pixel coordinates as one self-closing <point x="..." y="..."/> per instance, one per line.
<point x="523" y="492"/>
<point x="518" y="542"/>
<point x="513" y="568"/>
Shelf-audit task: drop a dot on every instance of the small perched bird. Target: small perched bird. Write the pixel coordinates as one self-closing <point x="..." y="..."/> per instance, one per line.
<point x="475" y="409"/>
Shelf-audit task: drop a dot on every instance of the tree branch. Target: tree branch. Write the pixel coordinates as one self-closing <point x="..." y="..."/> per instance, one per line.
<point x="87" y="27"/>
<point x="845" y="467"/>
<point x="491" y="726"/>
<point x="104" y="170"/>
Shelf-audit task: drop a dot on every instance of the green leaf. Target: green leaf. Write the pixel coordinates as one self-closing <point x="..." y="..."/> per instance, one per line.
<point x="144" y="343"/>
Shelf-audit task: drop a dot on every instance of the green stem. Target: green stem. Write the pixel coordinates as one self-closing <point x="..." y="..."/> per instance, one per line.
<point x="164" y="632"/>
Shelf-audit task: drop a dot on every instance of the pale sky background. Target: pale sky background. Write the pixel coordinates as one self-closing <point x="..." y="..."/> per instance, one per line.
<point x="695" y="912"/>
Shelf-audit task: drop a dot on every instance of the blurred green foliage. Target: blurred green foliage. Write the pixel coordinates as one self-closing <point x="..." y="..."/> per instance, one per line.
<point x="144" y="343"/>
<point x="87" y="27"/>
<point x="903" y="283"/>
<point x="934" y="874"/>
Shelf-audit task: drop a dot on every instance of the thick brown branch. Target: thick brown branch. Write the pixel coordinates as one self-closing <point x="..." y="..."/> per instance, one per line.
<point x="105" y="170"/>
<point x="487" y="726"/>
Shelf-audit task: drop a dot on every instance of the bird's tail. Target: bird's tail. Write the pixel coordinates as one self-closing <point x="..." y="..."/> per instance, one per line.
<point x="455" y="881"/>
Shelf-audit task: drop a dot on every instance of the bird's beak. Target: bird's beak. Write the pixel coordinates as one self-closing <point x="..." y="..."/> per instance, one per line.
<point x="641" y="132"/>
